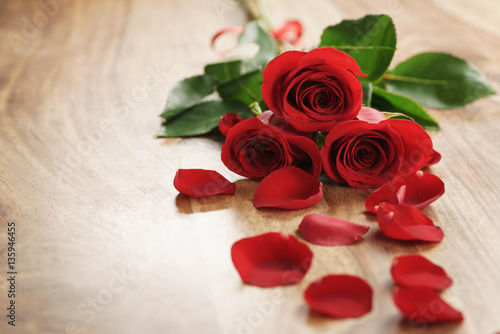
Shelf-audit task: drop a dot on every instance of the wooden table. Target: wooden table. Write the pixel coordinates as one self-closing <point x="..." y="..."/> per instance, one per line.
<point x="105" y="244"/>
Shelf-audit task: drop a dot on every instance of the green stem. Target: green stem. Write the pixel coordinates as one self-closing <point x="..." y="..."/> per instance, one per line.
<point x="265" y="15"/>
<point x="258" y="10"/>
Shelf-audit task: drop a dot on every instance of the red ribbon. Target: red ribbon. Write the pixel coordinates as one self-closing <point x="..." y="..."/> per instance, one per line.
<point x="232" y="29"/>
<point x="290" y="32"/>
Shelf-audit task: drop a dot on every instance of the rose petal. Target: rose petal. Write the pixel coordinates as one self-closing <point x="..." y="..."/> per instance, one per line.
<point x="370" y="115"/>
<point x="202" y="182"/>
<point x="340" y="296"/>
<point x="329" y="231"/>
<point x="271" y="259"/>
<point x="269" y="118"/>
<point x="417" y="271"/>
<point x="404" y="222"/>
<point x="424" y="305"/>
<point x="227" y="121"/>
<point x="272" y="76"/>
<point x="306" y="154"/>
<point x="419" y="189"/>
<point x="417" y="144"/>
<point x="436" y="157"/>
<point x="330" y="55"/>
<point x="288" y="188"/>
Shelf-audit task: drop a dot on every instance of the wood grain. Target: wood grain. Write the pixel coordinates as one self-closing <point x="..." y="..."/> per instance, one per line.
<point x="106" y="245"/>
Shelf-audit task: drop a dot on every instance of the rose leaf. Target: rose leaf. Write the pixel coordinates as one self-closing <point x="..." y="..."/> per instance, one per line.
<point x="245" y="88"/>
<point x="200" y="119"/>
<point x="438" y="80"/>
<point x="224" y="71"/>
<point x="188" y="93"/>
<point x="255" y="34"/>
<point x="371" y="41"/>
<point x="384" y="100"/>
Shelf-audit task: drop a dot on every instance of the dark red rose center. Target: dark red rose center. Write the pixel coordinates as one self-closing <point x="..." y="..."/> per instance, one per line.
<point x="263" y="154"/>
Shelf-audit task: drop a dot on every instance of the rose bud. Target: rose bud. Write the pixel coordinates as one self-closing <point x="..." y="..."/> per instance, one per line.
<point x="227" y="121"/>
<point x="367" y="155"/>
<point x="260" y="145"/>
<point x="313" y="91"/>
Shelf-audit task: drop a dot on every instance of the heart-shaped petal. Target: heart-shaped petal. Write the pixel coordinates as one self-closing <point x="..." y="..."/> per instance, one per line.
<point x="340" y="296"/>
<point x="419" y="189"/>
<point x="271" y="259"/>
<point x="424" y="305"/>
<point x="404" y="222"/>
<point x="329" y="231"/>
<point x="202" y="183"/>
<point x="288" y="188"/>
<point x="417" y="271"/>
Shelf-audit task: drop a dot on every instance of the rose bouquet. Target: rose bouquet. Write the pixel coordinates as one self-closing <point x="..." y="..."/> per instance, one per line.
<point x="288" y="115"/>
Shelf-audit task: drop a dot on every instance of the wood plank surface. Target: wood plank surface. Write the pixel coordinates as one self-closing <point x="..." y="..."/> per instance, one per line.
<point x="105" y="244"/>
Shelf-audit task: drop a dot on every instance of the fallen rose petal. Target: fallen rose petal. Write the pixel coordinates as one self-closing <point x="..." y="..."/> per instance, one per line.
<point x="227" y="121"/>
<point x="271" y="259"/>
<point x="202" y="182"/>
<point x="329" y="231"/>
<point x="288" y="188"/>
<point x="436" y="157"/>
<point x="370" y="115"/>
<point x="340" y="296"/>
<point x="419" y="189"/>
<point x="424" y="305"/>
<point x="417" y="271"/>
<point x="404" y="222"/>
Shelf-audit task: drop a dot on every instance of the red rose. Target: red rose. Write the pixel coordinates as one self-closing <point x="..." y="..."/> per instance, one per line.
<point x="259" y="145"/>
<point x="227" y="121"/>
<point x="313" y="91"/>
<point x="366" y="155"/>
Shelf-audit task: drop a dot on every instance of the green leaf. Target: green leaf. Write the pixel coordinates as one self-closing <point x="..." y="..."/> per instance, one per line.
<point x="224" y="71"/>
<point x="187" y="93"/>
<point x="320" y="139"/>
<point x="367" y="94"/>
<point x="397" y="115"/>
<point x="393" y="103"/>
<point x="438" y="80"/>
<point x="200" y="119"/>
<point x="254" y="33"/>
<point x="245" y="88"/>
<point x="370" y="40"/>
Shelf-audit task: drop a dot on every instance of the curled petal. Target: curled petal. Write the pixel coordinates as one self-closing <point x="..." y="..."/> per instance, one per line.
<point x="424" y="305"/>
<point x="404" y="222"/>
<point x="227" y="121"/>
<point x="417" y="271"/>
<point x="417" y="144"/>
<point x="288" y="188"/>
<point x="329" y="231"/>
<point x="269" y="118"/>
<point x="436" y="157"/>
<point x="370" y="115"/>
<point x="340" y="296"/>
<point x="202" y="182"/>
<point x="418" y="189"/>
<point x="271" y="259"/>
